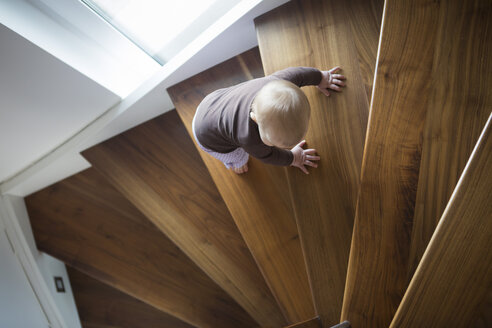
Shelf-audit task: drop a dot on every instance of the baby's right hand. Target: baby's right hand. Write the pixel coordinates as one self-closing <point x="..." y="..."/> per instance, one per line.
<point x="303" y="157"/>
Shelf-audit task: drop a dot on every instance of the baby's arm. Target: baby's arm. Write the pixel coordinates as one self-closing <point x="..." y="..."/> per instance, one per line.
<point x="300" y="76"/>
<point x="270" y="155"/>
<point x="324" y="80"/>
<point x="297" y="156"/>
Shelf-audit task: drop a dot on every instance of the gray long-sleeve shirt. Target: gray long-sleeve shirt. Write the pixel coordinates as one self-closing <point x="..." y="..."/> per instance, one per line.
<point x="223" y="123"/>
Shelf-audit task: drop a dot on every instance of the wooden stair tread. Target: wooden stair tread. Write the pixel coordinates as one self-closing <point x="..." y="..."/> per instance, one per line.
<point x="406" y="155"/>
<point x="456" y="113"/>
<point x="259" y="200"/>
<point x="89" y="225"/>
<point x="157" y="168"/>
<point x="455" y="274"/>
<point x="313" y="323"/>
<point x="101" y="304"/>
<point x="325" y="34"/>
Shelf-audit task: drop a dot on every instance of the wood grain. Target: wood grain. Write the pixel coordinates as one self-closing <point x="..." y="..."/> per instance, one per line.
<point x="101" y="304"/>
<point x="411" y="111"/>
<point x="89" y="225"/>
<point x="376" y="278"/>
<point x="457" y="111"/>
<point x="484" y="313"/>
<point x="455" y="274"/>
<point x="364" y="18"/>
<point x="313" y="323"/>
<point x="259" y="200"/>
<point x="325" y="34"/>
<point x="156" y="166"/>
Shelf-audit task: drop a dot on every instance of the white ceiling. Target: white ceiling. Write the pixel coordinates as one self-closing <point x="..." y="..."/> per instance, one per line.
<point x="48" y="102"/>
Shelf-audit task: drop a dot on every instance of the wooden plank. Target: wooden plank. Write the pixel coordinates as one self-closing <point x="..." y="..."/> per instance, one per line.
<point x="325" y="34"/>
<point x="414" y="76"/>
<point x="89" y="225"/>
<point x="316" y="323"/>
<point x="455" y="274"/>
<point x="259" y="200"/>
<point x="101" y="304"/>
<point x="157" y="168"/>
<point x="457" y="112"/>
<point x="380" y="245"/>
<point x="313" y="323"/>
<point x="364" y="17"/>
<point x="484" y="313"/>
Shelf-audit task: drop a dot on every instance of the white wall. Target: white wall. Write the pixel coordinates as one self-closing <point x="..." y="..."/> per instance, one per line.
<point x="43" y="102"/>
<point x="49" y="267"/>
<point x="19" y="307"/>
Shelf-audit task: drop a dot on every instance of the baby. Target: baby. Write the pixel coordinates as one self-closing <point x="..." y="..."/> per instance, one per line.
<point x="266" y="118"/>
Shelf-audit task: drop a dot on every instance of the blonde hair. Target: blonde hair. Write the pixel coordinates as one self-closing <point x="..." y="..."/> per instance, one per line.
<point x="282" y="112"/>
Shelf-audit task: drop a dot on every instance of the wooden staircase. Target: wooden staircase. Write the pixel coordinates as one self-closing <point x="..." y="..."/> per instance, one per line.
<point x="89" y="225"/>
<point x="392" y="229"/>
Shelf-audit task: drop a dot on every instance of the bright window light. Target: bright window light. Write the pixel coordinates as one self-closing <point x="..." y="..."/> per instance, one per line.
<point x="161" y="27"/>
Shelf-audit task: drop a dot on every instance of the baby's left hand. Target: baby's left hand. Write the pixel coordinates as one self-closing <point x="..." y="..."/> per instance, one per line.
<point x="331" y="80"/>
<point x="303" y="157"/>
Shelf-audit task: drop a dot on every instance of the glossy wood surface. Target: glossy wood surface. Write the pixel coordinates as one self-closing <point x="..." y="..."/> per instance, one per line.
<point x="412" y="115"/>
<point x="101" y="304"/>
<point x="457" y="111"/>
<point x="325" y="34"/>
<point x="259" y="200"/>
<point x="156" y="166"/>
<point x="455" y="274"/>
<point x="89" y="225"/>
<point x="364" y="18"/>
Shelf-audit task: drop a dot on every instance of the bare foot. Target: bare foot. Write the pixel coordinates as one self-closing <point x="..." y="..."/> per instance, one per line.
<point x="240" y="170"/>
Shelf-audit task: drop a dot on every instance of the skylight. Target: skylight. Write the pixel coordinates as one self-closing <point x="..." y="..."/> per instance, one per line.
<point x="161" y="27"/>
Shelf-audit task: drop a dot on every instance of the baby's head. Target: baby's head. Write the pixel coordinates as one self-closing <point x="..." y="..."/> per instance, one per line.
<point x="282" y="113"/>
